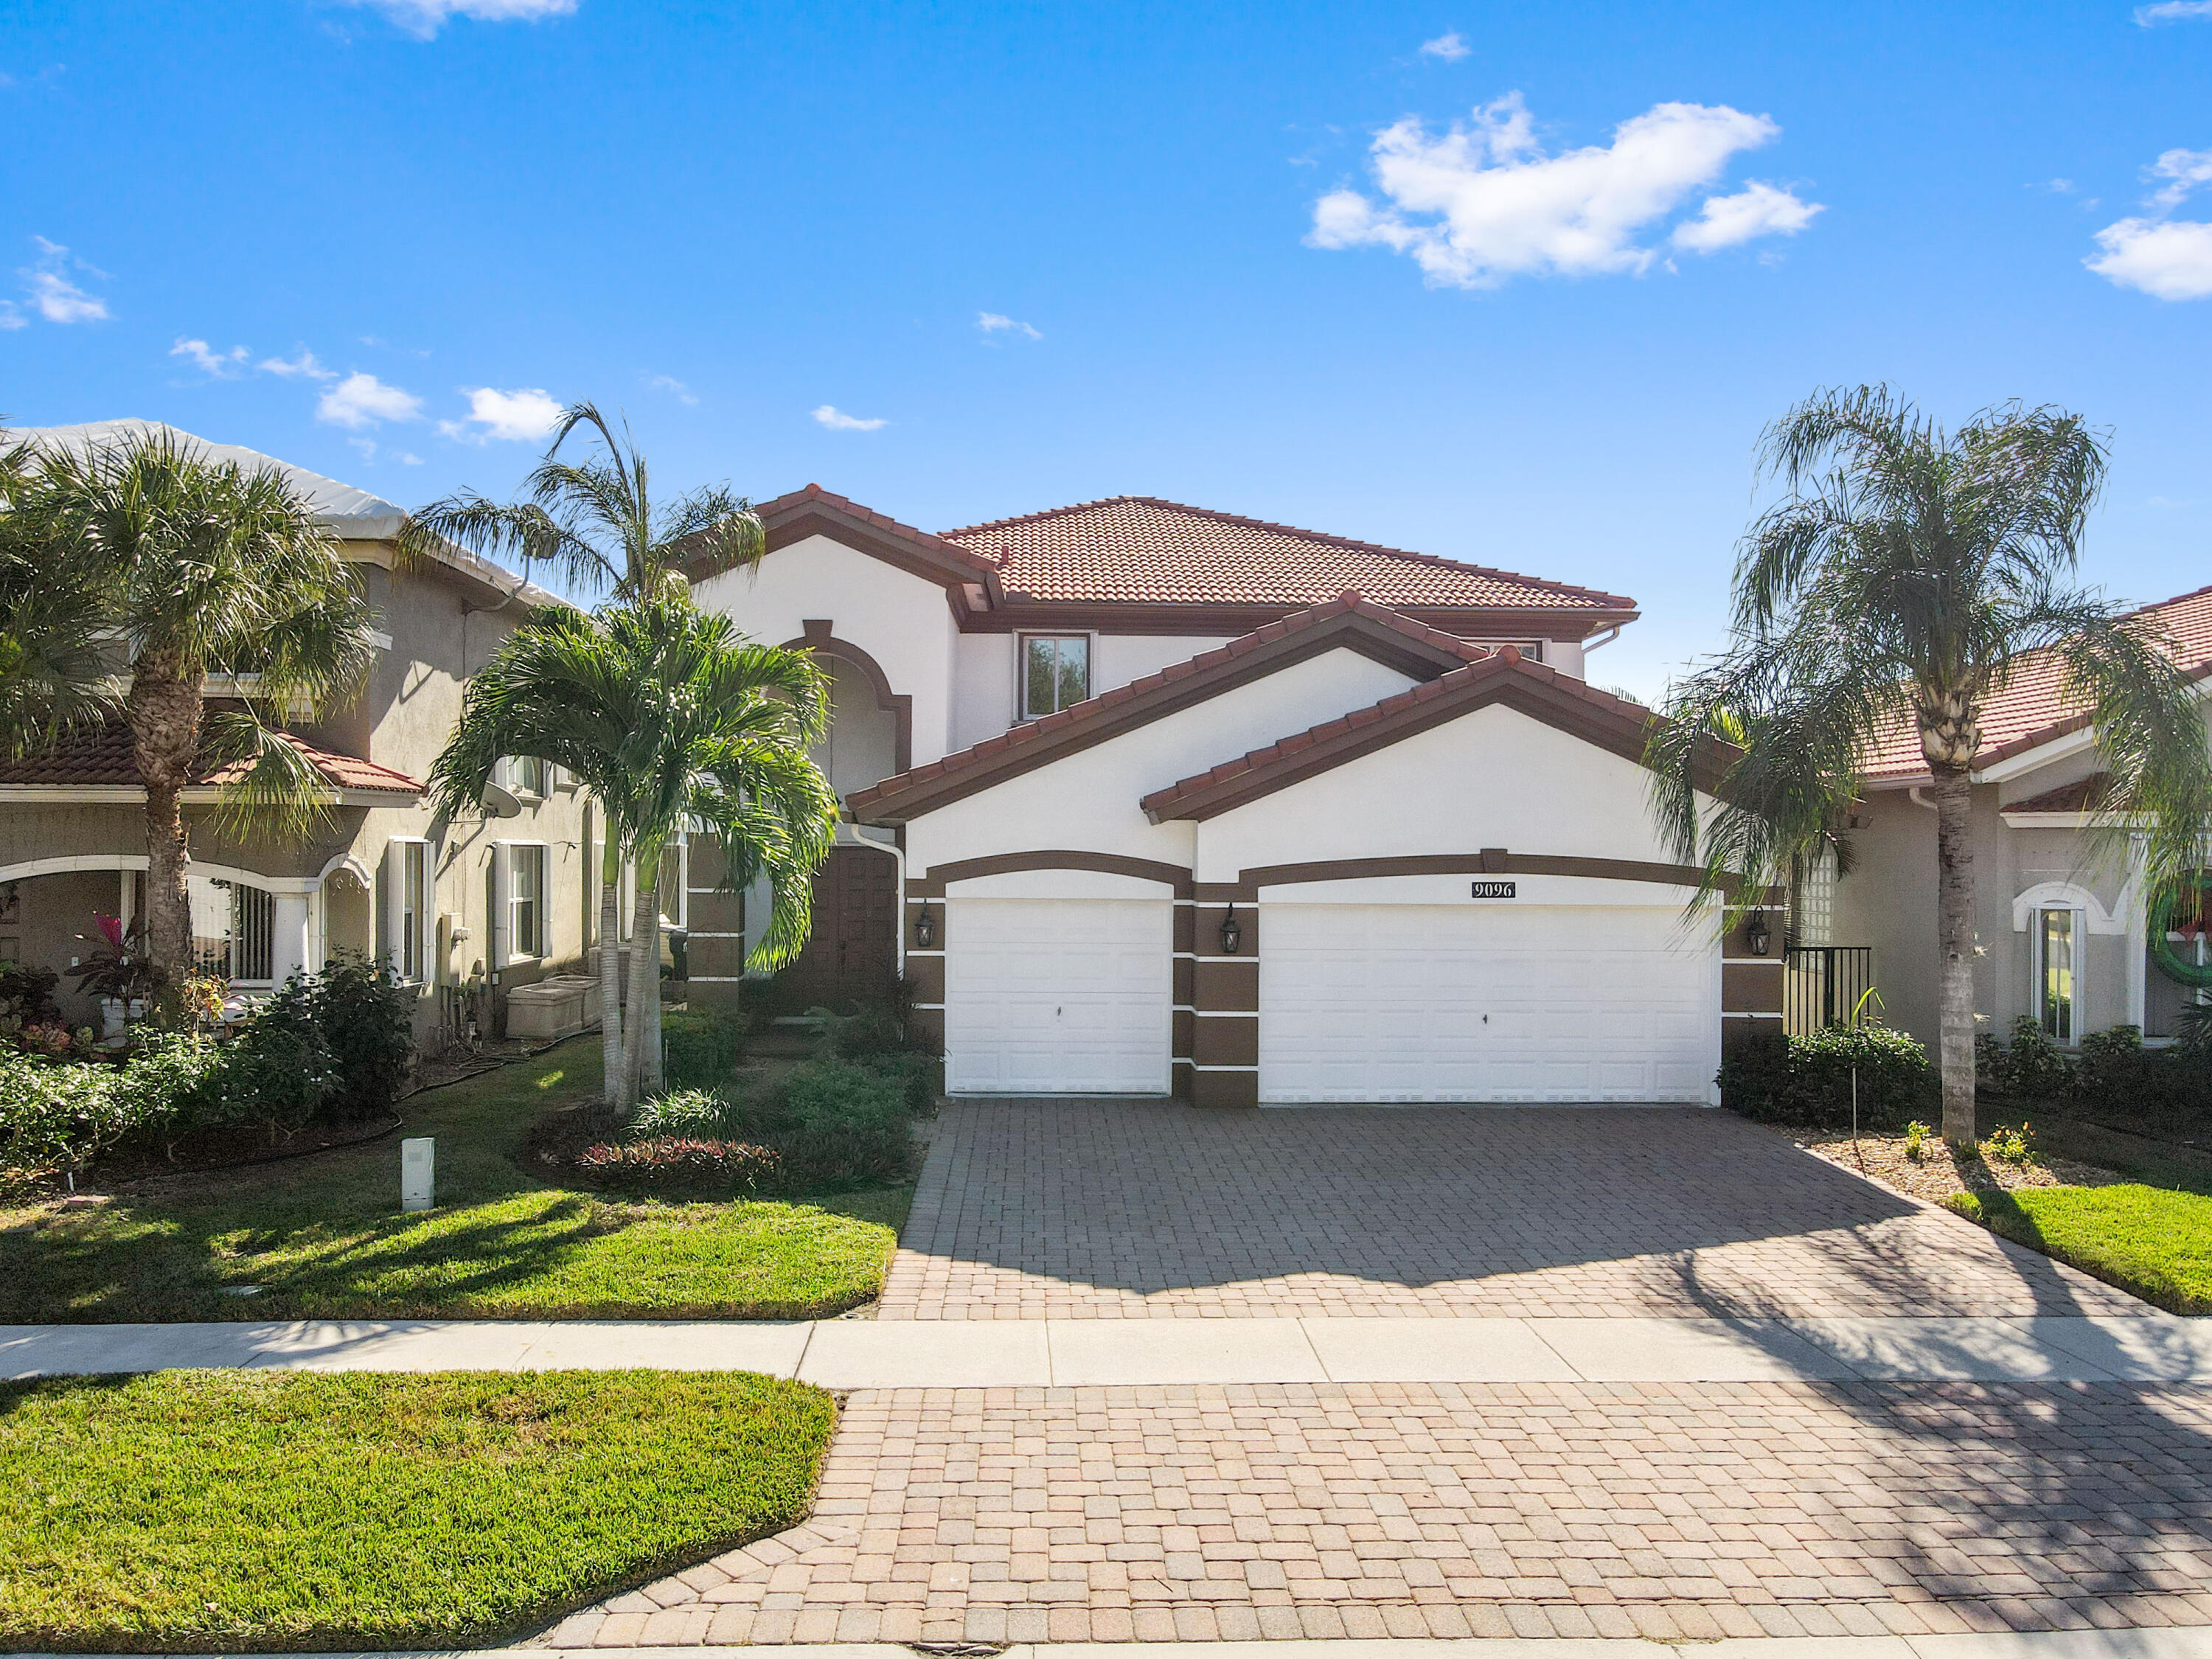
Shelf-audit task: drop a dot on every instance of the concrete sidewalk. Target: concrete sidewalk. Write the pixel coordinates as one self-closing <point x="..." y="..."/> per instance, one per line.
<point x="1090" y="1353"/>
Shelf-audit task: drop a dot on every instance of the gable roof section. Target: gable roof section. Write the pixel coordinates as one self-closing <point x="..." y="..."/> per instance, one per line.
<point x="103" y="759"/>
<point x="1138" y="550"/>
<point x="2033" y="709"/>
<point x="814" y="511"/>
<point x="1543" y="694"/>
<point x="1348" y="622"/>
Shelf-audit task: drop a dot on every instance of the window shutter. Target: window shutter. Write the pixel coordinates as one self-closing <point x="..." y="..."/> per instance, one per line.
<point x="495" y="891"/>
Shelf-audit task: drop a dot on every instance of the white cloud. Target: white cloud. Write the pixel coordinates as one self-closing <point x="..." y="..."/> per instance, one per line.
<point x="990" y="322"/>
<point x="306" y="366"/>
<point x="1483" y="203"/>
<point x="2172" y="11"/>
<point x="1449" y="48"/>
<point x="2167" y="258"/>
<point x="11" y="315"/>
<point x="407" y="458"/>
<point x="837" y="420"/>
<point x="223" y="365"/>
<point x="423" y="18"/>
<point x="2183" y="170"/>
<point x="674" y="387"/>
<point x="1757" y="209"/>
<point x="516" y="416"/>
<point x="55" y="297"/>
<point x="361" y="400"/>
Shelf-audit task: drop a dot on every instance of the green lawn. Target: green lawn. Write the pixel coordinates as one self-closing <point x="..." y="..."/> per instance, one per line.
<point x="323" y="1237"/>
<point x="2149" y="1240"/>
<point x="197" y="1512"/>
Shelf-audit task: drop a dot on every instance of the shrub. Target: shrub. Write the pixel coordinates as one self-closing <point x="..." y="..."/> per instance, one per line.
<point x="697" y="1113"/>
<point x="703" y="1047"/>
<point x="2009" y="1145"/>
<point x="1915" y="1139"/>
<point x="676" y="1162"/>
<point x="1806" y="1081"/>
<point x="279" y="1069"/>
<point x="26" y="998"/>
<point x="366" y="1017"/>
<point x="57" y="1117"/>
<point x="870" y="1031"/>
<point x="2034" y="1067"/>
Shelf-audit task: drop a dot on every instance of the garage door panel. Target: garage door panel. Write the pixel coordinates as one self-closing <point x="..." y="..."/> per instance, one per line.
<point x="1058" y="996"/>
<point x="1387" y="1003"/>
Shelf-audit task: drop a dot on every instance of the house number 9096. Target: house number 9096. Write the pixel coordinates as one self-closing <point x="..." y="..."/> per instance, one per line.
<point x="1493" y="890"/>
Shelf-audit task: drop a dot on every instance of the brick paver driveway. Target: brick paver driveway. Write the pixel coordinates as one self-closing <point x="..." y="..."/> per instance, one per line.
<point x="1682" y="1512"/>
<point x="1132" y="1210"/>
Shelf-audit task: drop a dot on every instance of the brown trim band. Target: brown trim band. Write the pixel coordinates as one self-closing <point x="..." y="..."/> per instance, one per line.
<point x="900" y="798"/>
<point x="1228" y="621"/>
<point x="899" y="705"/>
<point x="1533" y="691"/>
<point x="932" y="883"/>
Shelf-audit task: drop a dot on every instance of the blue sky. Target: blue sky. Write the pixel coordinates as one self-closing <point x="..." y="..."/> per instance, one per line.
<point x="1516" y="332"/>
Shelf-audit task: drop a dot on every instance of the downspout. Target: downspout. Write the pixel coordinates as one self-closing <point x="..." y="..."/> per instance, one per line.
<point x="1606" y="638"/>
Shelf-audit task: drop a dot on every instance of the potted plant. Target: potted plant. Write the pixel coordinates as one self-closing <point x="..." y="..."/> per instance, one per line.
<point x="118" y="974"/>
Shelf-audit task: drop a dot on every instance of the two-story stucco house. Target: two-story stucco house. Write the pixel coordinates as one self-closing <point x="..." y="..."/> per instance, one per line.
<point x="1149" y="799"/>
<point x="2061" y="927"/>
<point x="468" y="909"/>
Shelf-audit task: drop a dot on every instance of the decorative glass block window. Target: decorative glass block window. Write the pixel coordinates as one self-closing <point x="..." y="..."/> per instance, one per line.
<point x="1813" y="904"/>
<point x="2057" y="941"/>
<point x="1055" y="672"/>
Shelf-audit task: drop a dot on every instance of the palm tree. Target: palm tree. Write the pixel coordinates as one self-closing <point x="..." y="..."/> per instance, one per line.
<point x="201" y="569"/>
<point x="670" y="719"/>
<point x="1909" y="573"/>
<point x="595" y="521"/>
<point x="54" y="677"/>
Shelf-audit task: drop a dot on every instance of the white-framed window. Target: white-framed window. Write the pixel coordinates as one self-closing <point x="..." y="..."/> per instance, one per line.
<point x="408" y="892"/>
<point x="1055" y="672"/>
<point x="233" y="930"/>
<point x="526" y="775"/>
<point x="2058" y="934"/>
<point x="675" y="888"/>
<point x="520" y="899"/>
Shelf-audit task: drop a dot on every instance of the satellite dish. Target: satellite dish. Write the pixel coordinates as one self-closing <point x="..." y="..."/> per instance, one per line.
<point x="500" y="802"/>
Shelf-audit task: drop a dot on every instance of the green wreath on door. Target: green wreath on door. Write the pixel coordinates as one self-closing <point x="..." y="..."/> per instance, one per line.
<point x="2181" y="903"/>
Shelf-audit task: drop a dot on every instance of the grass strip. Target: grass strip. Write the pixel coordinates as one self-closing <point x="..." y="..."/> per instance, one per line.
<point x="197" y="1512"/>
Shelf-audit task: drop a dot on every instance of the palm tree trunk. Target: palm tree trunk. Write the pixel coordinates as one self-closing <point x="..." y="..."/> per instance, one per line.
<point x="642" y="1029"/>
<point x="163" y="710"/>
<point x="1955" y="896"/>
<point x="611" y="1019"/>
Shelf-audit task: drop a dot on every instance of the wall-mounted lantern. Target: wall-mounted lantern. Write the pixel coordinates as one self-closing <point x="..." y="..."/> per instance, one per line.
<point x="1755" y="933"/>
<point x="1232" y="932"/>
<point x="925" y="927"/>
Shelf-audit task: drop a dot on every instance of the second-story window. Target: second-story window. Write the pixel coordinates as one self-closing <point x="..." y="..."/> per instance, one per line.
<point x="1055" y="672"/>
<point x="526" y="774"/>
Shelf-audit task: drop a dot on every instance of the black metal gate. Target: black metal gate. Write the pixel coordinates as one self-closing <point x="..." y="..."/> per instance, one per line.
<point x="1825" y="985"/>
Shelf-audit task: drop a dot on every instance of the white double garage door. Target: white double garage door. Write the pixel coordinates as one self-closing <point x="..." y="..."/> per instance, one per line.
<point x="1358" y="1002"/>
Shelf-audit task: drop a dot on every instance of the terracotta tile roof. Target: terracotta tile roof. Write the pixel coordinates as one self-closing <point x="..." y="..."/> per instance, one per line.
<point x="1033" y="732"/>
<point x="2080" y="796"/>
<point x="1162" y="804"/>
<point x="2033" y="709"/>
<point x="1139" y="550"/>
<point x="104" y="759"/>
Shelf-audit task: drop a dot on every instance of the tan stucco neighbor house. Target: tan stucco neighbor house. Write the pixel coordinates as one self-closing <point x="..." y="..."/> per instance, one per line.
<point x="2061" y="924"/>
<point x="1147" y="800"/>
<point x="469" y="909"/>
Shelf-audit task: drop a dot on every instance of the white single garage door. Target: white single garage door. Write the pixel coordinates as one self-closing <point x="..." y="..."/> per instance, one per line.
<point x="1059" y="996"/>
<point x="1430" y="1002"/>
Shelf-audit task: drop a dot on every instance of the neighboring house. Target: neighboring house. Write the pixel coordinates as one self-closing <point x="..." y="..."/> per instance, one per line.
<point x="1148" y="799"/>
<point x="2062" y="915"/>
<point x="485" y="903"/>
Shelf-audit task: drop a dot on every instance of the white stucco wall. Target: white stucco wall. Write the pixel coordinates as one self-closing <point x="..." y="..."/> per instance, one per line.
<point x="900" y="620"/>
<point x="986" y="673"/>
<point x="1088" y="800"/>
<point x="1492" y="778"/>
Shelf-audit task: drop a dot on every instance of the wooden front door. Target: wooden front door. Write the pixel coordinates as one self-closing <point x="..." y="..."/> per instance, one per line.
<point x="852" y="952"/>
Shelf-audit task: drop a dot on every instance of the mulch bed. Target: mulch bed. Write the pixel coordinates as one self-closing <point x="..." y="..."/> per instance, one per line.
<point x="1940" y="1171"/>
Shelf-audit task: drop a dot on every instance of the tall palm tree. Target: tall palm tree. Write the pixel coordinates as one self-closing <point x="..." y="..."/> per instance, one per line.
<point x="670" y="719"/>
<point x="594" y="521"/>
<point x="201" y="569"/>
<point x="1907" y="574"/>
